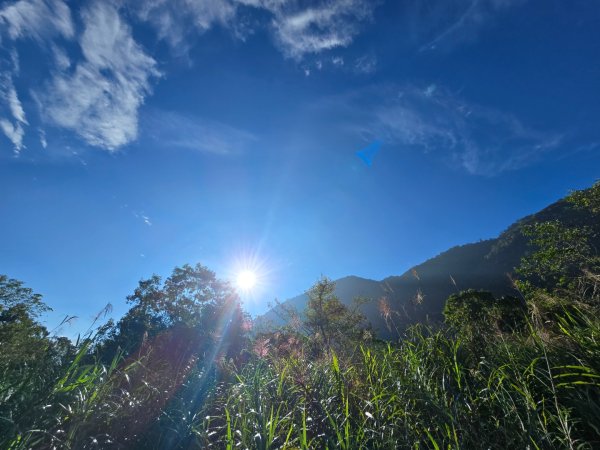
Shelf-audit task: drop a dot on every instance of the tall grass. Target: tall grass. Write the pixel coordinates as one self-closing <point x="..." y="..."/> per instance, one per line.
<point x="424" y="393"/>
<point x="537" y="389"/>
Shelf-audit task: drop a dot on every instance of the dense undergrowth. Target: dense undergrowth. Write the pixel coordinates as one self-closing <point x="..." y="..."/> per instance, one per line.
<point x="183" y="369"/>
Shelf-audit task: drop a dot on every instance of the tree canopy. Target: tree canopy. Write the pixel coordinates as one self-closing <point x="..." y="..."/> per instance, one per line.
<point x="327" y="318"/>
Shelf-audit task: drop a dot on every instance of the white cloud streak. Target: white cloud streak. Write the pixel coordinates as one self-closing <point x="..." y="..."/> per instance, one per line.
<point x="43" y="141"/>
<point x="37" y="19"/>
<point x="14" y="132"/>
<point x="315" y="29"/>
<point x="99" y="99"/>
<point x="40" y="21"/>
<point x="174" y="19"/>
<point x="15" y="104"/>
<point x="13" y="126"/>
<point x="176" y="131"/>
<point x="480" y="140"/>
<point x="143" y="217"/>
<point x="300" y="29"/>
<point x="450" y="22"/>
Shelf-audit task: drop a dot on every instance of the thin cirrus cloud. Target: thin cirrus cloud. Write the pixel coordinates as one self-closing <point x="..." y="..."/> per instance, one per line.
<point x="301" y="28"/>
<point x="430" y="119"/>
<point x="446" y="23"/>
<point x="13" y="120"/>
<point x="175" y="20"/>
<point x="177" y="131"/>
<point x="298" y="28"/>
<point x="38" y="20"/>
<point x="365" y="64"/>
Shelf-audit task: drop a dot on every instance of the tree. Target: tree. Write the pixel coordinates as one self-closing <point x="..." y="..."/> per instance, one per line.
<point x="327" y="318"/>
<point x="564" y="254"/>
<point x="478" y="315"/>
<point x="587" y="198"/>
<point x="22" y="338"/>
<point x="172" y="339"/>
<point x="560" y="253"/>
<point x="192" y="298"/>
<point x="13" y="294"/>
<point x="30" y="360"/>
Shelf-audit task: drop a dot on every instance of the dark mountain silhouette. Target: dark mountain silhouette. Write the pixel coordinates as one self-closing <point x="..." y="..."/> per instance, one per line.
<point x="420" y="293"/>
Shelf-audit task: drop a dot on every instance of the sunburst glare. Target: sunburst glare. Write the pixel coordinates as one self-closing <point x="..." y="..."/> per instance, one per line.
<point x="246" y="280"/>
<point x="250" y="274"/>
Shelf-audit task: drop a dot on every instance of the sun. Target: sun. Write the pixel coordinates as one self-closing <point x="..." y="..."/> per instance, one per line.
<point x="249" y="274"/>
<point x="246" y="280"/>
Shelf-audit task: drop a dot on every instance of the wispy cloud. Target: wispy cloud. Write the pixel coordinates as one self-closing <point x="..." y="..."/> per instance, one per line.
<point x="15" y="104"/>
<point x="309" y="30"/>
<point x="99" y="98"/>
<point x="429" y="90"/>
<point x="445" y="23"/>
<point x="361" y="65"/>
<point x="337" y="61"/>
<point x="37" y="19"/>
<point x="97" y="90"/>
<point x="61" y="58"/>
<point x="299" y="28"/>
<point x="14" y="132"/>
<point x="365" y="64"/>
<point x="43" y="140"/>
<point x="479" y="139"/>
<point x="175" y="20"/>
<point x="143" y="217"/>
<point x="12" y="115"/>
<point x="176" y="131"/>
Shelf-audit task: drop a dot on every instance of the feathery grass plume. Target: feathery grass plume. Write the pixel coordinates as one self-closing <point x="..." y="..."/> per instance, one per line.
<point x="419" y="297"/>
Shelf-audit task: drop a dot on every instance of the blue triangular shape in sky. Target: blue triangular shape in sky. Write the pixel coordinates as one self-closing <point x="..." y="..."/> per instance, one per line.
<point x="368" y="153"/>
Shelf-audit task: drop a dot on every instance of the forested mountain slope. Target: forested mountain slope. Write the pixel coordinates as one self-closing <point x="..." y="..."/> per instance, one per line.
<point x="419" y="294"/>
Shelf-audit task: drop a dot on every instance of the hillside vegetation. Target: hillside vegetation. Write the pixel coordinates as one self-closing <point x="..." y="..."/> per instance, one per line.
<point x="419" y="295"/>
<point x="507" y="365"/>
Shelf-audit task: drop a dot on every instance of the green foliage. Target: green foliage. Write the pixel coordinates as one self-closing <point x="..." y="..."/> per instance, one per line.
<point x="477" y="315"/>
<point x="562" y="250"/>
<point x="422" y="393"/>
<point x="328" y="320"/>
<point x="177" y="372"/>
<point x="120" y="385"/>
<point x="29" y="359"/>
<point x="526" y="389"/>
<point x="560" y="254"/>
<point x="14" y="295"/>
<point x="191" y="298"/>
<point x="588" y="199"/>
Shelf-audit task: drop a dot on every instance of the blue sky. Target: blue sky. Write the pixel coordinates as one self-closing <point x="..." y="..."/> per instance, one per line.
<point x="140" y="135"/>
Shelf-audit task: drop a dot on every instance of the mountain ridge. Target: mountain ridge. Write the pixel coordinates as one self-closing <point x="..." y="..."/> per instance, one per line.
<point x="419" y="294"/>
